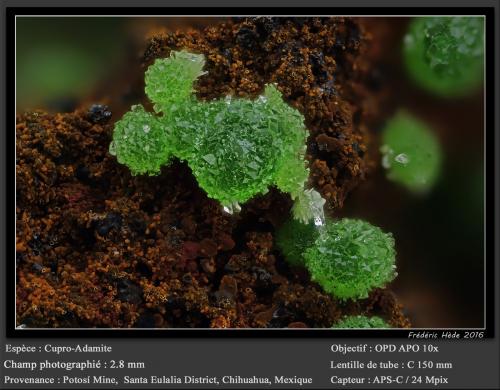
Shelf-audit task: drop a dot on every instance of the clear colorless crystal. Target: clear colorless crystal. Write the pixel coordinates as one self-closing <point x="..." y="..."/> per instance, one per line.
<point x="402" y="158"/>
<point x="232" y="208"/>
<point x="309" y="207"/>
<point x="318" y="221"/>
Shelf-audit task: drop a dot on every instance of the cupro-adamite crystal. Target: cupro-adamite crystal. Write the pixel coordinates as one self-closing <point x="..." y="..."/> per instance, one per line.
<point x="361" y="322"/>
<point x="347" y="258"/>
<point x="445" y="55"/>
<point x="351" y="257"/>
<point x="236" y="148"/>
<point x="411" y="153"/>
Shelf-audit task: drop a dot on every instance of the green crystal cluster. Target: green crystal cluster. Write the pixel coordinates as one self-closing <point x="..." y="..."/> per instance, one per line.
<point x="140" y="142"/>
<point x="411" y="153"/>
<point x="348" y="258"/>
<point x="293" y="238"/>
<point x="236" y="148"/>
<point x="351" y="257"/>
<point x="361" y="322"/>
<point x="445" y="55"/>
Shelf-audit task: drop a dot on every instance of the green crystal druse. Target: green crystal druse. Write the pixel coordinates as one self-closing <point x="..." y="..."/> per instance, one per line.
<point x="236" y="148"/>
<point x="411" y="153"/>
<point x="293" y="238"/>
<point x="445" y="55"/>
<point x="350" y="257"/>
<point x="361" y="322"/>
<point x="141" y="142"/>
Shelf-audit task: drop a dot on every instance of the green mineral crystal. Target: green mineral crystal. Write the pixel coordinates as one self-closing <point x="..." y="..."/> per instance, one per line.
<point x="236" y="148"/>
<point x="411" y="153"/>
<point x="361" y="322"/>
<point x="445" y="55"/>
<point x="293" y="238"/>
<point x="351" y="257"/>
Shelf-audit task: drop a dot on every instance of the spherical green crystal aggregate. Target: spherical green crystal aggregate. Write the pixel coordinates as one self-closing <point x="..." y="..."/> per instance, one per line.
<point x="361" y="322"/>
<point x="445" y="55"/>
<point x="140" y="141"/>
<point x="245" y="144"/>
<point x="351" y="257"/>
<point x="236" y="148"/>
<point x="411" y="153"/>
<point x="293" y="238"/>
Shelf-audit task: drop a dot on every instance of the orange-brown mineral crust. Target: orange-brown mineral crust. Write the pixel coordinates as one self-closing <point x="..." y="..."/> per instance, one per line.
<point x="97" y="247"/>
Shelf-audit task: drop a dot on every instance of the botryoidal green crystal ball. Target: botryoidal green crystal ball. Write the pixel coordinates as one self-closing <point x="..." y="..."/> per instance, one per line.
<point x="351" y="257"/>
<point x="241" y="152"/>
<point x="140" y="142"/>
<point x="293" y="238"/>
<point x="236" y="148"/>
<point x="445" y="55"/>
<point x="361" y="322"/>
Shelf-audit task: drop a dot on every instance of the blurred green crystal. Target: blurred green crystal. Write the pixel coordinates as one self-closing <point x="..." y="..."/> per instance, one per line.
<point x="445" y="55"/>
<point x="351" y="257"/>
<point x="236" y="148"/>
<point x="361" y="322"/>
<point x="411" y="153"/>
<point x="293" y="238"/>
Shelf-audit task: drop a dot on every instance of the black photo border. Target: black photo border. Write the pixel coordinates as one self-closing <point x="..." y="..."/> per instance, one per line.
<point x="490" y="172"/>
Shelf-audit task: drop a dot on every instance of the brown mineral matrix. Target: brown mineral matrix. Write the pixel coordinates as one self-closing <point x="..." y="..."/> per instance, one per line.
<point x="97" y="247"/>
<point x="321" y="67"/>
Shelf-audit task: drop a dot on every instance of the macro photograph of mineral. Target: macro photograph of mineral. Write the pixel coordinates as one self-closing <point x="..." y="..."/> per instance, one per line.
<point x="250" y="172"/>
